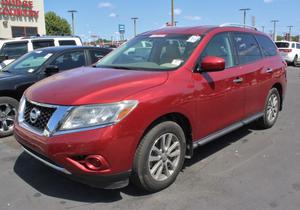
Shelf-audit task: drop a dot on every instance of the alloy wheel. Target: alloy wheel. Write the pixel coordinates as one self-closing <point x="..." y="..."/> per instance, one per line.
<point x="164" y="157"/>
<point x="272" y="108"/>
<point x="7" y="117"/>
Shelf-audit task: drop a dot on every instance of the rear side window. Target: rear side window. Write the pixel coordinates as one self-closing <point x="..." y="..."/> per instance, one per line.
<point x="42" y="43"/>
<point x="66" y="42"/>
<point x="247" y="48"/>
<point x="267" y="46"/>
<point x="293" y="45"/>
<point x="96" y="55"/>
<point x="298" y="46"/>
<point x="282" y="44"/>
<point x="14" y="50"/>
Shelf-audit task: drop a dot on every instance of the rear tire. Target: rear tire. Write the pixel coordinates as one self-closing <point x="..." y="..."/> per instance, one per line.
<point x="8" y="112"/>
<point x="159" y="157"/>
<point x="295" y="62"/>
<point x="271" y="111"/>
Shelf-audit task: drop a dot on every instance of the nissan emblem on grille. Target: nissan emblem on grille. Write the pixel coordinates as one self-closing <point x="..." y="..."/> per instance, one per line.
<point x="34" y="115"/>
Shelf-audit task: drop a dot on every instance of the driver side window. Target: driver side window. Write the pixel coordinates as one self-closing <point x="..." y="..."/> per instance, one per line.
<point x="220" y="46"/>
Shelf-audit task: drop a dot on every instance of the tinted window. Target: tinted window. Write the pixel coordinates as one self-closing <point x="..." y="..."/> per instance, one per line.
<point x="298" y="46"/>
<point x="42" y="43"/>
<point x="282" y="44"/>
<point x="70" y="60"/>
<point x="247" y="48"/>
<point x="96" y="55"/>
<point x="66" y="42"/>
<point x="14" y="50"/>
<point x="293" y="45"/>
<point x="220" y="46"/>
<point x="267" y="46"/>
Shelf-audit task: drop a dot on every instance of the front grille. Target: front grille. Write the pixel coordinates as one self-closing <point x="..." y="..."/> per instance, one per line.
<point x="43" y="118"/>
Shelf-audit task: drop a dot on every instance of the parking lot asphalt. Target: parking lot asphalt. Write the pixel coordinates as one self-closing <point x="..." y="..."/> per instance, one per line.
<point x="249" y="169"/>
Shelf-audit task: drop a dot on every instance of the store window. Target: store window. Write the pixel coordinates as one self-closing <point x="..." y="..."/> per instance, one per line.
<point x="23" y="31"/>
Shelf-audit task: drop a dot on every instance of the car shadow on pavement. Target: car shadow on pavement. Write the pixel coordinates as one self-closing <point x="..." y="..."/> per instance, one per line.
<point x="48" y="182"/>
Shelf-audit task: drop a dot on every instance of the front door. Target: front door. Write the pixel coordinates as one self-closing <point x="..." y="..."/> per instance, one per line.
<point x="221" y="95"/>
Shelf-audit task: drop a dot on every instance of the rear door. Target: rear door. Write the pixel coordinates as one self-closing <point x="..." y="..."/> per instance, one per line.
<point x="250" y="61"/>
<point x="221" y="95"/>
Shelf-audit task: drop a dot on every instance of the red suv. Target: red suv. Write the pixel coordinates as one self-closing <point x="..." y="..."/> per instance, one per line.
<point x="145" y="107"/>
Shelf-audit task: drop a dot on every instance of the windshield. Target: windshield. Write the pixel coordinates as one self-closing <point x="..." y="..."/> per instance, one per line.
<point x="28" y="63"/>
<point x="152" y="52"/>
<point x="282" y="44"/>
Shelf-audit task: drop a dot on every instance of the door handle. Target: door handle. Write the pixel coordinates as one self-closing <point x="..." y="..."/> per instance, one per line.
<point x="238" y="80"/>
<point x="269" y="70"/>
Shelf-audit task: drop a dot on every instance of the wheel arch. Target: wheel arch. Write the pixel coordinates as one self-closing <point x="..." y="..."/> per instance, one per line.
<point x="183" y="122"/>
<point x="279" y="88"/>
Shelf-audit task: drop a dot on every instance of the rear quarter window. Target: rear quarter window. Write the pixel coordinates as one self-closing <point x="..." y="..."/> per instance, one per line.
<point x="267" y="45"/>
<point x="67" y="42"/>
<point x="42" y="43"/>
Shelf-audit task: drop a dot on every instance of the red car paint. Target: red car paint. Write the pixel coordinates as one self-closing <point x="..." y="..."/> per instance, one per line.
<point x="209" y="102"/>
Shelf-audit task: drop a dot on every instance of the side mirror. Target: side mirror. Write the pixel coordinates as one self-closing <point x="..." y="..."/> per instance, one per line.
<point x="211" y="64"/>
<point x="52" y="69"/>
<point x="3" y="58"/>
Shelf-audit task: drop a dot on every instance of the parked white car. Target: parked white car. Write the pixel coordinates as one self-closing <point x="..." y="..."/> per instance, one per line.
<point x="11" y="49"/>
<point x="289" y="51"/>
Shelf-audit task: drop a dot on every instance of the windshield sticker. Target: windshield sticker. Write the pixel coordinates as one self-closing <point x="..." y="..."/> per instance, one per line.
<point x="30" y="70"/>
<point x="194" y="39"/>
<point x="48" y="55"/>
<point x="158" y="36"/>
<point x="177" y="62"/>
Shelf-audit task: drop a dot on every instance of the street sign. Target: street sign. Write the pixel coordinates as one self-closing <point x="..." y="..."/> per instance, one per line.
<point x="121" y="28"/>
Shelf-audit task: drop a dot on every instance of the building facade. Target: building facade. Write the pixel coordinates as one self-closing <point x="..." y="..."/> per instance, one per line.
<point x="21" y="18"/>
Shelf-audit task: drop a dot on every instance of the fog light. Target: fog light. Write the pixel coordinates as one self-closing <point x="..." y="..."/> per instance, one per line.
<point x="94" y="162"/>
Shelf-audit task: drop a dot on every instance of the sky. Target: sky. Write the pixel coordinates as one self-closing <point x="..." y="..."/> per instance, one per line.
<point x="102" y="17"/>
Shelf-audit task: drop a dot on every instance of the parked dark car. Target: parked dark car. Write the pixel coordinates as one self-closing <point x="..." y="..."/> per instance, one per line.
<point x="35" y="66"/>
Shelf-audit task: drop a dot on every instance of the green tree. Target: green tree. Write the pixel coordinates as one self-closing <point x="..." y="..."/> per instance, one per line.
<point x="56" y="25"/>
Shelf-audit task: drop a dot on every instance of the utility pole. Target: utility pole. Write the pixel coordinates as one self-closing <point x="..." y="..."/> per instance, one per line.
<point x="245" y="10"/>
<point x="134" y="24"/>
<point x="290" y="32"/>
<point x="274" y="29"/>
<point x="73" y="20"/>
<point x="172" y="13"/>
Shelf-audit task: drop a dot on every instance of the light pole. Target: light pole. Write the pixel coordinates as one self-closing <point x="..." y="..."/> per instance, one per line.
<point x="73" y="20"/>
<point x="134" y="24"/>
<point x="263" y="28"/>
<point x="245" y="10"/>
<point x="274" y="30"/>
<point x="172" y="13"/>
<point x="290" y="32"/>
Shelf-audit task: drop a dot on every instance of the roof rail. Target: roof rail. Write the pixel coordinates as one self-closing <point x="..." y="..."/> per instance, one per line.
<point x="238" y="26"/>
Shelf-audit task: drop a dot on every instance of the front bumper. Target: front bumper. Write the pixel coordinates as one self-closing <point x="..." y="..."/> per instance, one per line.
<point x="59" y="152"/>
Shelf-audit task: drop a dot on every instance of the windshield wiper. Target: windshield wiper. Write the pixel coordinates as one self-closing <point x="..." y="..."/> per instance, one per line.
<point x="116" y="67"/>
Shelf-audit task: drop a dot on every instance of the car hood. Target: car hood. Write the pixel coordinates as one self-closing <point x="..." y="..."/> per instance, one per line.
<point x="93" y="86"/>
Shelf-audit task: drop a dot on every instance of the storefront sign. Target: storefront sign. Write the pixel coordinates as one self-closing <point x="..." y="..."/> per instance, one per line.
<point x="18" y="8"/>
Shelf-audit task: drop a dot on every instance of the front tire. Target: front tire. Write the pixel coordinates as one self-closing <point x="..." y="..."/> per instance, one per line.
<point x="8" y="112"/>
<point x="159" y="157"/>
<point x="271" y="111"/>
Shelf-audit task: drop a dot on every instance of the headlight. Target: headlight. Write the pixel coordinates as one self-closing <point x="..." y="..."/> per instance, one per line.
<point x="97" y="115"/>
